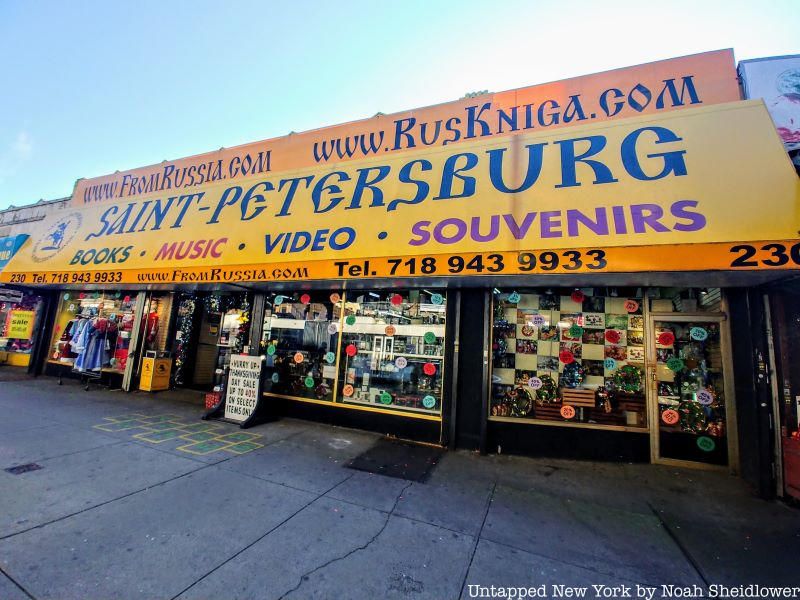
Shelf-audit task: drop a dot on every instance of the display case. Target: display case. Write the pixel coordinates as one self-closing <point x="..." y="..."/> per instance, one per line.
<point x="17" y="322"/>
<point x="393" y="350"/>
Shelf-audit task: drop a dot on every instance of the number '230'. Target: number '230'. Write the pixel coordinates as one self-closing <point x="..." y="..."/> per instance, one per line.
<point x="777" y="258"/>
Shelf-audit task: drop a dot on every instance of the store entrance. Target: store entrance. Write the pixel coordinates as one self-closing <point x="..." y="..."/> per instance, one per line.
<point x="690" y="391"/>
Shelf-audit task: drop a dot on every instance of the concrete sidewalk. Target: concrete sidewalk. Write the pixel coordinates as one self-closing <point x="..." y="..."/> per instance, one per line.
<point x="131" y="505"/>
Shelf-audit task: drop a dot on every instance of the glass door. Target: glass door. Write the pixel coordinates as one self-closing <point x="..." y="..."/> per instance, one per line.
<point x="688" y="382"/>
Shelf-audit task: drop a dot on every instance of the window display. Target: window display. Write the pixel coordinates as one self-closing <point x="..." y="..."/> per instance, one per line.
<point x="17" y="320"/>
<point x="382" y="349"/>
<point x="691" y="391"/>
<point x="393" y="350"/>
<point x="92" y="332"/>
<point x="300" y="340"/>
<point x="569" y="355"/>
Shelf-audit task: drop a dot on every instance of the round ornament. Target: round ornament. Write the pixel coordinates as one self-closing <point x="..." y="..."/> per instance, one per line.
<point x="514" y="297"/>
<point x="573" y="375"/>
<point x="351" y="350"/>
<point x="610" y="364"/>
<point x="520" y="402"/>
<point x="631" y="306"/>
<point x="401" y="362"/>
<point x="436" y="299"/>
<point x="666" y="338"/>
<point x="670" y="416"/>
<point x="693" y="417"/>
<point x="575" y="331"/>
<point x="535" y="383"/>
<point x="675" y="364"/>
<point x="330" y="358"/>
<point x="705" y="397"/>
<point x="305" y="299"/>
<point x="566" y="357"/>
<point x="309" y="381"/>
<point x="386" y="398"/>
<point x="628" y="379"/>
<point x="82" y="295"/>
<point x="613" y="336"/>
<point x="66" y="296"/>
<point x="429" y="368"/>
<point x="578" y="296"/>
<point x="275" y="378"/>
<point x="299" y="358"/>
<point x="396" y="299"/>
<point x="706" y="444"/>
<point x="390" y="330"/>
<point x="335" y="298"/>
<point x="429" y="402"/>
<point x="548" y="392"/>
<point x="347" y="390"/>
<point x="429" y="337"/>
<point x="699" y="334"/>
<point x="271" y="349"/>
<point x="278" y="300"/>
<point x="333" y="328"/>
<point x="567" y="411"/>
<point x="350" y="320"/>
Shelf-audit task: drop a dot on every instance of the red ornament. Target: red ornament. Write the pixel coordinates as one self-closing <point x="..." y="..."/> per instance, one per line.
<point x="82" y="295"/>
<point x="429" y="369"/>
<point x="305" y="299"/>
<point x="666" y="338"/>
<point x="396" y="299"/>
<point x="351" y="350"/>
<point x="578" y="296"/>
<point x="566" y="357"/>
<point x="126" y="299"/>
<point x="612" y="336"/>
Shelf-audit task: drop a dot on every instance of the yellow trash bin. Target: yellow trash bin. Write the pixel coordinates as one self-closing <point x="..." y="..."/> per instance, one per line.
<point x="155" y="372"/>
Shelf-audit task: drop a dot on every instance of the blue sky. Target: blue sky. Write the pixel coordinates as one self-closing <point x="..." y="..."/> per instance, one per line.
<point x="89" y="88"/>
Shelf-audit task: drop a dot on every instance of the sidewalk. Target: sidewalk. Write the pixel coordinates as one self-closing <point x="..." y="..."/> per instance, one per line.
<point x="136" y="499"/>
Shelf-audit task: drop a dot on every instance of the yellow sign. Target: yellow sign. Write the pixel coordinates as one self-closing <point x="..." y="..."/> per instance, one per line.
<point x="155" y="374"/>
<point x="701" y="188"/>
<point x="19" y="324"/>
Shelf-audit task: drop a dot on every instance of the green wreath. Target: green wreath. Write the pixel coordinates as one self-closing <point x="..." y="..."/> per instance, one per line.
<point x="693" y="417"/>
<point x="628" y="379"/>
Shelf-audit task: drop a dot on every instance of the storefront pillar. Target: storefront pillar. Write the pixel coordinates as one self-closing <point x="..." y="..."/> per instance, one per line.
<point x="256" y="325"/>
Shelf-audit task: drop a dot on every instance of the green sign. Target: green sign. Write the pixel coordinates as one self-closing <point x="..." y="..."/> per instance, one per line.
<point x="705" y="443"/>
<point x="675" y="364"/>
<point x="271" y="349"/>
<point x="430" y="337"/>
<point x="386" y="398"/>
<point x="350" y="320"/>
<point x="309" y="381"/>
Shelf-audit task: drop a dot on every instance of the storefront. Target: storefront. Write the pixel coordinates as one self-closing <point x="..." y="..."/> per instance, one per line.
<point x="556" y="270"/>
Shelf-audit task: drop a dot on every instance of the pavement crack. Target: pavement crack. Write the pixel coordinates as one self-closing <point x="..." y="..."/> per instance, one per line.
<point x="254" y="542"/>
<point x="684" y="550"/>
<point x="16" y="583"/>
<point x="305" y="576"/>
<point x="478" y="537"/>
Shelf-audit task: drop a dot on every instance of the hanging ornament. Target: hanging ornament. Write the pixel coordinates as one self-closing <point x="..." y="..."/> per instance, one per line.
<point x="351" y="350"/>
<point x="578" y="296"/>
<point x="692" y="417"/>
<point x="305" y="299"/>
<point x="514" y="297"/>
<point x="573" y="375"/>
<point x="566" y="357"/>
<point x="631" y="306"/>
<point x="628" y="379"/>
<point x="548" y="392"/>
<point x="429" y="368"/>
<point x="613" y="336"/>
<point x="396" y="299"/>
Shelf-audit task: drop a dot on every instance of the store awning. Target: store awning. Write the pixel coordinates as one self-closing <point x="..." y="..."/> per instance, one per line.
<point x="706" y="189"/>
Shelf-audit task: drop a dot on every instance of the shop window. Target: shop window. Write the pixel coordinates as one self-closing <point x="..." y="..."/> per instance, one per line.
<point x="685" y="300"/>
<point x="569" y="356"/>
<point x="17" y="320"/>
<point x="92" y="332"/>
<point x="392" y="351"/>
<point x="300" y="341"/>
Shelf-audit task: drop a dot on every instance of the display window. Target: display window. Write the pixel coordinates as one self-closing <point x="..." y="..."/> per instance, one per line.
<point x="92" y="332"/>
<point x="17" y="321"/>
<point x="392" y="352"/>
<point x="569" y="356"/>
<point x="383" y="349"/>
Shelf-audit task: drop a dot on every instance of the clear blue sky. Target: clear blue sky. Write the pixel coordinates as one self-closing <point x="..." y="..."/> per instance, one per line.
<point x="87" y="88"/>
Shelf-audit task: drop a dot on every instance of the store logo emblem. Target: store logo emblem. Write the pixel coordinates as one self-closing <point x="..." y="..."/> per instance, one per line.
<point x="57" y="237"/>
